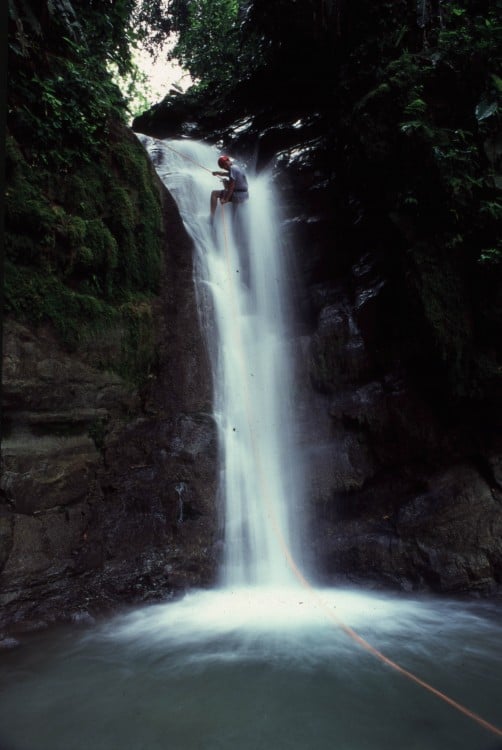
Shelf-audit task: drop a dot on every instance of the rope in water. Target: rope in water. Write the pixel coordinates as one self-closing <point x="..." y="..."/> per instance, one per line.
<point x="284" y="545"/>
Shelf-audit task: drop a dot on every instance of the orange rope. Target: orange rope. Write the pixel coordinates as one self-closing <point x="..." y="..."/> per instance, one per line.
<point x="292" y="564"/>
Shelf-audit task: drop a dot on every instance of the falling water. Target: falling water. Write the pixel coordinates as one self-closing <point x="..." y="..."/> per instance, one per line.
<point x="256" y="662"/>
<point x="241" y="278"/>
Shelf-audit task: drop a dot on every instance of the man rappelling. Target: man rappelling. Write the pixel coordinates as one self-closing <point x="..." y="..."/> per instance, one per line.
<point x="235" y="185"/>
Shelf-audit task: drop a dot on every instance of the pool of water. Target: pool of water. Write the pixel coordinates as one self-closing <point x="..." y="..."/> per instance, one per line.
<point x="259" y="669"/>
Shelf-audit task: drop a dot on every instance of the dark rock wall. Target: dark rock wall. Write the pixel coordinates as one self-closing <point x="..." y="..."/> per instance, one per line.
<point x="405" y="486"/>
<point x="107" y="490"/>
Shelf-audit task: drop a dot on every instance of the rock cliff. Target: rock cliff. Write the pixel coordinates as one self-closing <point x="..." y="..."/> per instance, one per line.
<point x="399" y="430"/>
<point x="385" y="177"/>
<point x="107" y="489"/>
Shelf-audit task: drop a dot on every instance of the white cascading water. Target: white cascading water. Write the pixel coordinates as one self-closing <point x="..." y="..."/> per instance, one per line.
<point x="241" y="282"/>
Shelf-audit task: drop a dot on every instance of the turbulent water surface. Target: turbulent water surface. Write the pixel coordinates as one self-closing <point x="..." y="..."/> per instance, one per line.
<point x="262" y="662"/>
<point x="257" y="668"/>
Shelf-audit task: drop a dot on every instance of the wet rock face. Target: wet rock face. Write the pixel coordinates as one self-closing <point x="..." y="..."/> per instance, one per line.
<point x="107" y="490"/>
<point x="404" y="488"/>
<point x="445" y="537"/>
<point x="108" y="493"/>
<point x="404" y="481"/>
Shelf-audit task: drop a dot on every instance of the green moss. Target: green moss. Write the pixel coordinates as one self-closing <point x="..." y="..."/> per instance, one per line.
<point x="82" y="212"/>
<point x="86" y="192"/>
<point x="122" y="222"/>
<point x="82" y="245"/>
<point x="138" y="345"/>
<point x="102" y="243"/>
<point x="30" y="220"/>
<point x="35" y="297"/>
<point x="75" y="231"/>
<point x="142" y="219"/>
<point x="120" y="339"/>
<point x="85" y="257"/>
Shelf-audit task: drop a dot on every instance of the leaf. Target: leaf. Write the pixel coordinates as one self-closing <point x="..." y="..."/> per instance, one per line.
<point x="485" y="109"/>
<point x="497" y="81"/>
<point x="491" y="256"/>
<point x="383" y="88"/>
<point x="416" y="107"/>
<point x="400" y="35"/>
<point x="416" y="126"/>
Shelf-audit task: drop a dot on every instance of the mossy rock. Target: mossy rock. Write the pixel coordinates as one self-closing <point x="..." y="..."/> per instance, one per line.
<point x="83" y="250"/>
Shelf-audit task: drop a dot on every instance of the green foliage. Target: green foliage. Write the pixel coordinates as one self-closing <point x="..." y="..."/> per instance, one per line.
<point x="492" y="255"/>
<point x="82" y="213"/>
<point x="135" y="87"/>
<point x="37" y="297"/>
<point x="138" y="343"/>
<point x="443" y="100"/>
<point x="30" y="220"/>
<point x="154" y="21"/>
<point x="211" y="45"/>
<point x="66" y="109"/>
<point x="99" y="246"/>
<point x="109" y="30"/>
<point x="419" y="102"/>
<point x="207" y="45"/>
<point x="65" y="61"/>
<point x="103" y="246"/>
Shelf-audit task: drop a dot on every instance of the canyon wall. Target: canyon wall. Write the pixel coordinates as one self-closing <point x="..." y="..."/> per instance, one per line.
<point x="108" y="488"/>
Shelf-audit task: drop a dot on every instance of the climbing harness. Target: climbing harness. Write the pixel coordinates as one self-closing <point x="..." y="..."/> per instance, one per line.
<point x="284" y="545"/>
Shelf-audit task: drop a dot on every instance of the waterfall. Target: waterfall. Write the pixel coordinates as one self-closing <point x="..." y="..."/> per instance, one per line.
<point x="241" y="281"/>
<point x="255" y="662"/>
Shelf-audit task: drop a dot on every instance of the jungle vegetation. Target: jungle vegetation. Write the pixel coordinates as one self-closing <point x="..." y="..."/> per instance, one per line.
<point x="410" y="87"/>
<point x="82" y="216"/>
